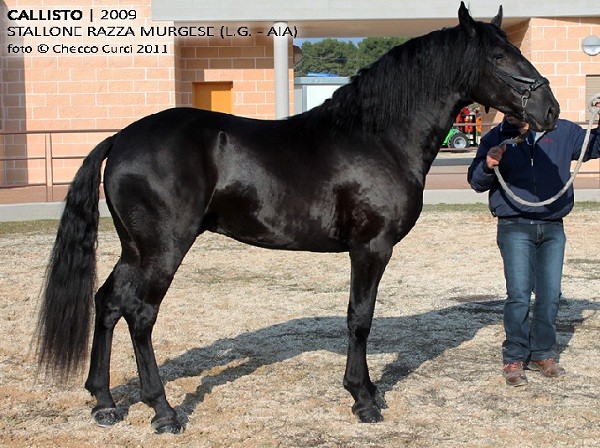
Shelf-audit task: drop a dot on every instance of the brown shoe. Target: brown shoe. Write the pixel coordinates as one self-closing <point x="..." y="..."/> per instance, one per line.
<point x="514" y="374"/>
<point x="547" y="367"/>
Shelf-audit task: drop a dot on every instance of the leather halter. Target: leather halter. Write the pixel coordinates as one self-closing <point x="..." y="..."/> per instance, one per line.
<point x="521" y="84"/>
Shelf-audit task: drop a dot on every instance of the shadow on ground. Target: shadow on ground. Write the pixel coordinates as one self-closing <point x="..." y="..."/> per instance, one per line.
<point x="413" y="339"/>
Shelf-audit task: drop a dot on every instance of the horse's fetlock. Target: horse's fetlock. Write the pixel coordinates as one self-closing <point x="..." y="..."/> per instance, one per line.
<point x="91" y="388"/>
<point x="353" y="387"/>
<point x="156" y="400"/>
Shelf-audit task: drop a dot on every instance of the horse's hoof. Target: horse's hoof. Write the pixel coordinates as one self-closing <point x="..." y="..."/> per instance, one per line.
<point x="166" y="426"/>
<point x="170" y="428"/>
<point x="106" y="417"/>
<point x="369" y="414"/>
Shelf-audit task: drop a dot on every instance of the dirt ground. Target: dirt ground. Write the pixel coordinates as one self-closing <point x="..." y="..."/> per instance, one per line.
<point x="251" y="346"/>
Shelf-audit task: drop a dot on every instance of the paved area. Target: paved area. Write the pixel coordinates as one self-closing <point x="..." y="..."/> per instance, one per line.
<point x="446" y="184"/>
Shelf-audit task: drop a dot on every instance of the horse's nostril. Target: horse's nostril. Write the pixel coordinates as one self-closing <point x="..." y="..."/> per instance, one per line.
<point x="552" y="114"/>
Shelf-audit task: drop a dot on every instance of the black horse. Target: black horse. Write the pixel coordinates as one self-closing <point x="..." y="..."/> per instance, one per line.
<point x="347" y="176"/>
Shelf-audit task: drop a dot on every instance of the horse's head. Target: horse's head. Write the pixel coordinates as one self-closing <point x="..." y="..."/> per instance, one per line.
<point x="508" y="81"/>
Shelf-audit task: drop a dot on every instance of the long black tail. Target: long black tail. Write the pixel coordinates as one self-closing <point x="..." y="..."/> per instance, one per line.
<point x="64" y="320"/>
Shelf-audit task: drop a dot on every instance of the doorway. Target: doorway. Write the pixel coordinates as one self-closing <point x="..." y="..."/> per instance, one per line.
<point x="215" y="96"/>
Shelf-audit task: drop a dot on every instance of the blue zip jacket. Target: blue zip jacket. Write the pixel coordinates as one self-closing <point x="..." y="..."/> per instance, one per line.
<point x="533" y="171"/>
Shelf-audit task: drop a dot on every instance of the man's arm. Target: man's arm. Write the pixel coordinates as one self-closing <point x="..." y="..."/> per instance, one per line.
<point x="481" y="174"/>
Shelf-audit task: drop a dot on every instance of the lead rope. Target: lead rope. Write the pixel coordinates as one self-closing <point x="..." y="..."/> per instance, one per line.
<point x="513" y="141"/>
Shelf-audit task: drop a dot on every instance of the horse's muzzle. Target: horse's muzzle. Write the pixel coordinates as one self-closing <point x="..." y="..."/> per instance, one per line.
<point x="545" y="120"/>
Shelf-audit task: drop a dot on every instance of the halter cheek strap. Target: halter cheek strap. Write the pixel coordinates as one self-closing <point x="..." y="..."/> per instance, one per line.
<point x="521" y="84"/>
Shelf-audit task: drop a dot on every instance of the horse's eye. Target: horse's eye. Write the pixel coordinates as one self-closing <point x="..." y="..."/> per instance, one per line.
<point x="499" y="56"/>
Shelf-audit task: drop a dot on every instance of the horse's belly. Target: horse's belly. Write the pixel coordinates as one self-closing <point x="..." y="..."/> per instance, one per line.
<point x="275" y="223"/>
<point x="251" y="231"/>
<point x="283" y="242"/>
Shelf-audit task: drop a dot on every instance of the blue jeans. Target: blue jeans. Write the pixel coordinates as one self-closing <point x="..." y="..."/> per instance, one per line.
<point x="533" y="256"/>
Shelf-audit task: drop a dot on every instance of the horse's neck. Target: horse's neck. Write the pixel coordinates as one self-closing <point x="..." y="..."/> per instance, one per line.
<point x="440" y="124"/>
<point x="419" y="105"/>
<point x="423" y="136"/>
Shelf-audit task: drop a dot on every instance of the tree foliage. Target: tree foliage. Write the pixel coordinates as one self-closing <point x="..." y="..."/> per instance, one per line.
<point x="327" y="56"/>
<point x="343" y="58"/>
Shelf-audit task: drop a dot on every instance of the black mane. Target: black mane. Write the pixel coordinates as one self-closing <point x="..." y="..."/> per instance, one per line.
<point x="397" y="84"/>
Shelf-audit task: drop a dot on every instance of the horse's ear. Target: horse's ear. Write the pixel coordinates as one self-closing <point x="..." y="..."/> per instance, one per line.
<point x="498" y="19"/>
<point x="466" y="21"/>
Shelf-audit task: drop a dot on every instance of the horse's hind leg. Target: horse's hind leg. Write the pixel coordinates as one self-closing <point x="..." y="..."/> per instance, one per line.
<point x="134" y="290"/>
<point x="368" y="264"/>
<point x="155" y="191"/>
<point x="154" y="278"/>
<point x="107" y="315"/>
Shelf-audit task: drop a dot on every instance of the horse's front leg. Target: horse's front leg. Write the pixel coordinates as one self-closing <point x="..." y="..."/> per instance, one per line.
<point x="368" y="264"/>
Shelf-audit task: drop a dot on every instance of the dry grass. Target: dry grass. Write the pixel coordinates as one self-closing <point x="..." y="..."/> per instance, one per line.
<point x="251" y="345"/>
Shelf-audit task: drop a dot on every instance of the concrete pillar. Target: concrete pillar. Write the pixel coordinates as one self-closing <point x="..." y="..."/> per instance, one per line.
<point x="282" y="78"/>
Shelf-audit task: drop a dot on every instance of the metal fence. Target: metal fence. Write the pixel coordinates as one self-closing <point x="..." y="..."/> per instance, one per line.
<point x="49" y="159"/>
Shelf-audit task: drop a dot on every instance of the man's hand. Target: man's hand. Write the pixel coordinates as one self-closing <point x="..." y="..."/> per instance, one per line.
<point x="494" y="156"/>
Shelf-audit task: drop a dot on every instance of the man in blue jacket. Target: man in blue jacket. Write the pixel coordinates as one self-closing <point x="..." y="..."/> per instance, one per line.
<point x="531" y="238"/>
